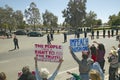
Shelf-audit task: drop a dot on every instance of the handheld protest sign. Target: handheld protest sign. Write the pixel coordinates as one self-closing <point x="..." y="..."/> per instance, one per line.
<point x="49" y="53"/>
<point x="80" y="44"/>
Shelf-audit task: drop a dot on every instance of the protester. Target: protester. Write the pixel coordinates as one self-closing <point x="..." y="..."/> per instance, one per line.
<point x="88" y="51"/>
<point x="117" y="38"/>
<point x="2" y="76"/>
<point x="118" y="51"/>
<point x="108" y="33"/>
<point x="48" y="39"/>
<point x="117" y="31"/>
<point x="26" y="74"/>
<point x="15" y="40"/>
<point x="43" y="75"/>
<point x="81" y="30"/>
<point x="92" y="34"/>
<point x="112" y="32"/>
<point x="100" y="54"/>
<point x="96" y="66"/>
<point x="84" y="64"/>
<point x="78" y="34"/>
<point x="93" y="52"/>
<point x="65" y="37"/>
<point x="75" y="33"/>
<point x="51" y="35"/>
<point x="104" y="31"/>
<point x="75" y="76"/>
<point x="85" y="34"/>
<point x="113" y="68"/>
<point x="94" y="75"/>
<point x="97" y="34"/>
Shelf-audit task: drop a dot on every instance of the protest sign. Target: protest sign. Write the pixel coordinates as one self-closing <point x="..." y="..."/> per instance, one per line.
<point x="50" y="53"/>
<point x="80" y="44"/>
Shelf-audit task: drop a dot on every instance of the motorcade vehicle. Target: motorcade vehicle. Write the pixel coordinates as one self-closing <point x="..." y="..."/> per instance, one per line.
<point x="20" y="32"/>
<point x="35" y="34"/>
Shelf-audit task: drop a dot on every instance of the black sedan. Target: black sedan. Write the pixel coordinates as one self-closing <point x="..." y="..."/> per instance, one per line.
<point x="35" y="34"/>
<point x="20" y="32"/>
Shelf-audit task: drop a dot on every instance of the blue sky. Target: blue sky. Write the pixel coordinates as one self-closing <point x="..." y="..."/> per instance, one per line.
<point x="103" y="8"/>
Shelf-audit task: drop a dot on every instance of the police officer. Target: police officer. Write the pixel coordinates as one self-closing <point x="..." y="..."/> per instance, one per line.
<point x="15" y="40"/>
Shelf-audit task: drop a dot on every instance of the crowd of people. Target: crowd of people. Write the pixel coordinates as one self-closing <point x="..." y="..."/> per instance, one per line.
<point x="108" y="33"/>
<point x="38" y="74"/>
<point x="91" y="66"/>
<point x="91" y="60"/>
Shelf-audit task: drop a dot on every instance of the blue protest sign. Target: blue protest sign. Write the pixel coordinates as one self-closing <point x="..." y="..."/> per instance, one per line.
<point x="80" y="44"/>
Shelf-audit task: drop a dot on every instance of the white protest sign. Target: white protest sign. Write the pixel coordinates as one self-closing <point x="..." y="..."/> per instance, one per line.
<point x="49" y="53"/>
<point x="80" y="44"/>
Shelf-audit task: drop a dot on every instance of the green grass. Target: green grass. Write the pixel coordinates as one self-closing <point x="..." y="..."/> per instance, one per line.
<point x="106" y="28"/>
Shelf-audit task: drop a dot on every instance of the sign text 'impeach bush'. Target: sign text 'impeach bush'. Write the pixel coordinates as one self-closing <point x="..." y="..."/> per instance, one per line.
<point x="80" y="44"/>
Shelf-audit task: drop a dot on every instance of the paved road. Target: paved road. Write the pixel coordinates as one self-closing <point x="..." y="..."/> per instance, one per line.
<point x="11" y="62"/>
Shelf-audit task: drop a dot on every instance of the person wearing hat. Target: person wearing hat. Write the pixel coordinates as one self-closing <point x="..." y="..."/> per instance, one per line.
<point x="118" y="52"/>
<point x="94" y="75"/>
<point x="113" y="60"/>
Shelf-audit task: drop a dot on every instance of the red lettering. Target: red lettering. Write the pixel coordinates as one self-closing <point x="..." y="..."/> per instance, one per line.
<point x="52" y="57"/>
<point x="38" y="46"/>
<point x="51" y="53"/>
<point x="35" y="51"/>
<point x="46" y="46"/>
<point x="59" y="47"/>
<point x="35" y="45"/>
<point x="53" y="46"/>
<point x="40" y="52"/>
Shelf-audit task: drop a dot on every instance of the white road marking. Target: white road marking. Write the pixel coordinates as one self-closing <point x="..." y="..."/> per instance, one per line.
<point x="67" y="70"/>
<point x="4" y="61"/>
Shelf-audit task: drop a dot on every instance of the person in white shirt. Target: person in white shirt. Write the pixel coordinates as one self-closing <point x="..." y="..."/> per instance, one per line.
<point x="43" y="74"/>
